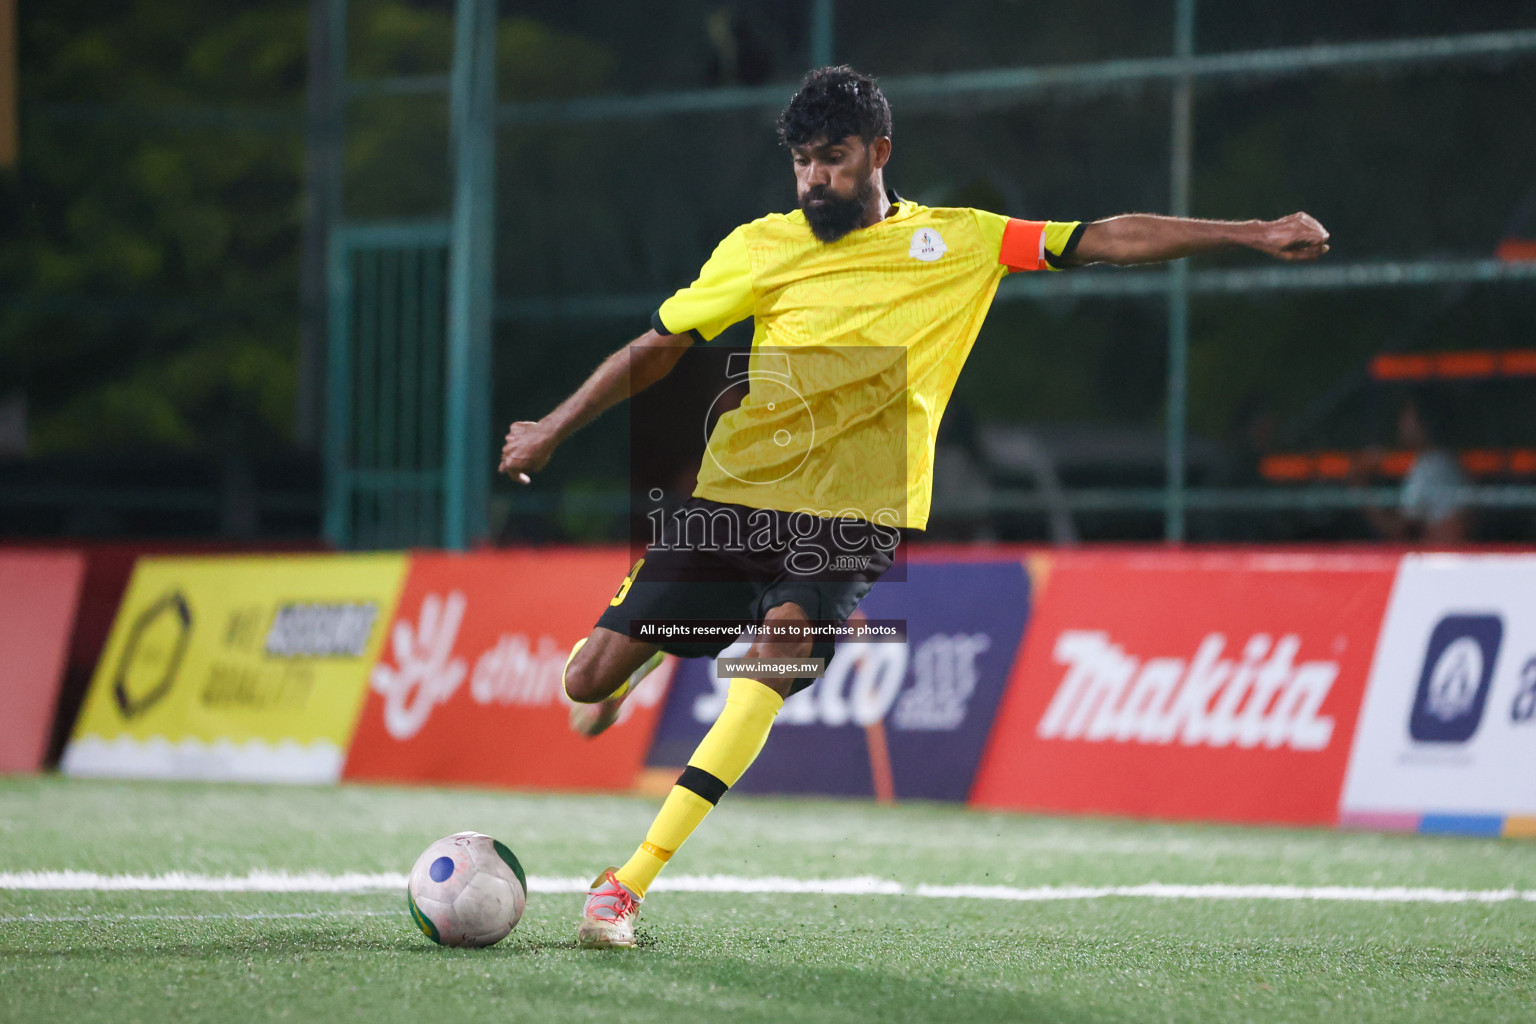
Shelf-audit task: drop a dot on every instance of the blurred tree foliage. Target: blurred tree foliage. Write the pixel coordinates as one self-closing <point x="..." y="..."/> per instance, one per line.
<point x="149" y="259"/>
<point x="151" y="252"/>
<point x="149" y="262"/>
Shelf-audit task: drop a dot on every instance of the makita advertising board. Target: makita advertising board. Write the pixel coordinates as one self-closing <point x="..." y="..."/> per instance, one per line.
<point x="1186" y="685"/>
<point x="887" y="719"/>
<point x="1447" y="737"/>
<point x="467" y="687"/>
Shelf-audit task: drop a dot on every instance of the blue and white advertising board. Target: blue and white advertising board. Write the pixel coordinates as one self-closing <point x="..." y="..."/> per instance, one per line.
<point x="1447" y="733"/>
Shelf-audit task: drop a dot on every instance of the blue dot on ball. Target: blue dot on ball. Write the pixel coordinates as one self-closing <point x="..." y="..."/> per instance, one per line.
<point x="441" y="868"/>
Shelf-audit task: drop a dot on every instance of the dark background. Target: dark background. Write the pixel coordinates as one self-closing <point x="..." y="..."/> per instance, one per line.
<point x="151" y="379"/>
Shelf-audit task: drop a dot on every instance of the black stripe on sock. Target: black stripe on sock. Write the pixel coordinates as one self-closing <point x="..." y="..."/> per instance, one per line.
<point x="697" y="780"/>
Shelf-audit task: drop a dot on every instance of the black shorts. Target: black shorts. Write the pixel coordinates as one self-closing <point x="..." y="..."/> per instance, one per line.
<point x="733" y="563"/>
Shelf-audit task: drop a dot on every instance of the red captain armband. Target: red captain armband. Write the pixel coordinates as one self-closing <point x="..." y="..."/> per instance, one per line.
<point x="1023" y="245"/>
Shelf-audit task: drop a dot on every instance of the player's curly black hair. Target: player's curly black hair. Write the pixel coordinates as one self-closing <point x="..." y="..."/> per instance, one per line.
<point x="835" y="103"/>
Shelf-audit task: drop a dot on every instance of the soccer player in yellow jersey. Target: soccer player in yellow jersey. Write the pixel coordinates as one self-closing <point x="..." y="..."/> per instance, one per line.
<point x="865" y="306"/>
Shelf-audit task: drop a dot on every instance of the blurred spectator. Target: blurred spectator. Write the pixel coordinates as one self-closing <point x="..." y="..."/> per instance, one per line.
<point x="1430" y="507"/>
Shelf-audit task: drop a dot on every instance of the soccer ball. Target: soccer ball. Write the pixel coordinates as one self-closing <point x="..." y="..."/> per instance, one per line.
<point x="467" y="890"/>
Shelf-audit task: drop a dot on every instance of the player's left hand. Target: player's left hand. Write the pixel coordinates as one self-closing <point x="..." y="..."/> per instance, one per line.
<point x="1297" y="237"/>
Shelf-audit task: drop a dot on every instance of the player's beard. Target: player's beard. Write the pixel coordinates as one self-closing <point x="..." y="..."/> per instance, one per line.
<point x="835" y="216"/>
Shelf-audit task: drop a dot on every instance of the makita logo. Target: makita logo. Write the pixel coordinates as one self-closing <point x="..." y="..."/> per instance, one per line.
<point x="1261" y="697"/>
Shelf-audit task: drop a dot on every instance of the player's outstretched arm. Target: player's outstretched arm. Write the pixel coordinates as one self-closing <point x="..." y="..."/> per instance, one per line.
<point x="628" y="371"/>
<point x="1147" y="238"/>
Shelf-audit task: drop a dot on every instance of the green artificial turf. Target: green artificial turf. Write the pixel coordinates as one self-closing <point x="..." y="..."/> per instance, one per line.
<point x="188" y="956"/>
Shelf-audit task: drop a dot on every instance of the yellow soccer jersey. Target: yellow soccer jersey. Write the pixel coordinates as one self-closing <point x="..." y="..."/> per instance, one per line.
<point x="855" y="351"/>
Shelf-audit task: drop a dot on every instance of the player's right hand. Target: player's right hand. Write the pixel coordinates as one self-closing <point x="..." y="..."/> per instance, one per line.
<point x="527" y="450"/>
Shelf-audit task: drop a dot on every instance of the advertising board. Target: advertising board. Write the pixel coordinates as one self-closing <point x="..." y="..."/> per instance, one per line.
<point x="247" y="668"/>
<point x="1447" y="737"/>
<point x="887" y="719"/>
<point x="39" y="591"/>
<point x="468" y="688"/>
<point x="1189" y="685"/>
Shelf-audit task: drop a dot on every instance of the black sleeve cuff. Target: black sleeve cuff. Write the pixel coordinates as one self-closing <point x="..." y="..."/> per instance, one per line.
<point x="1061" y="260"/>
<point x="661" y="328"/>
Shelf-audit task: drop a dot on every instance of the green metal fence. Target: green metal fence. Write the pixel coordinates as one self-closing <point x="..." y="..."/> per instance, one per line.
<point x="408" y="349"/>
<point x="467" y="469"/>
<point x="409" y="460"/>
<point x="385" y="423"/>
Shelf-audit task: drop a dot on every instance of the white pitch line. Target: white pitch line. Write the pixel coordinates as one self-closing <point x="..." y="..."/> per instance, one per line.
<point x="123" y="918"/>
<point x="864" y="885"/>
<point x="178" y="881"/>
<point x="282" y="882"/>
<point x="1326" y="893"/>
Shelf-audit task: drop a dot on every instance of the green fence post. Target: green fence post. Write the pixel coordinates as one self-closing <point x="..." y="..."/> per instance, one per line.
<point x="473" y="116"/>
<point x="823" y="27"/>
<point x="338" y="405"/>
<point x="1182" y="147"/>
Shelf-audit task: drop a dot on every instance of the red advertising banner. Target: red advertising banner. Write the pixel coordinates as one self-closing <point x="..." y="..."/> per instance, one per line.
<point x="1187" y="685"/>
<point x="38" y="593"/>
<point x="467" y="688"/>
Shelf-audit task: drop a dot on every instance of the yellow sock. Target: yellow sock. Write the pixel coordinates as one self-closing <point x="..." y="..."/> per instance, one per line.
<point x="727" y="750"/>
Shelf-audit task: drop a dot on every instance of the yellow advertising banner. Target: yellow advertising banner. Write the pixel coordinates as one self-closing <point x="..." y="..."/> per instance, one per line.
<point x="248" y="668"/>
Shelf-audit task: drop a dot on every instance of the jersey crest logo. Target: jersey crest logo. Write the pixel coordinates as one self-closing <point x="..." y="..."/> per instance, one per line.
<point x="927" y="245"/>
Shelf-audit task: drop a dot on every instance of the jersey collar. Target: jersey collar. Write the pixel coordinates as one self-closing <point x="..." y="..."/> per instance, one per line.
<point x="901" y="208"/>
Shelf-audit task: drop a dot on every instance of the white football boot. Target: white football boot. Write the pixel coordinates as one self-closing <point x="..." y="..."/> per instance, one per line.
<point x="593" y="719"/>
<point x="608" y="920"/>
